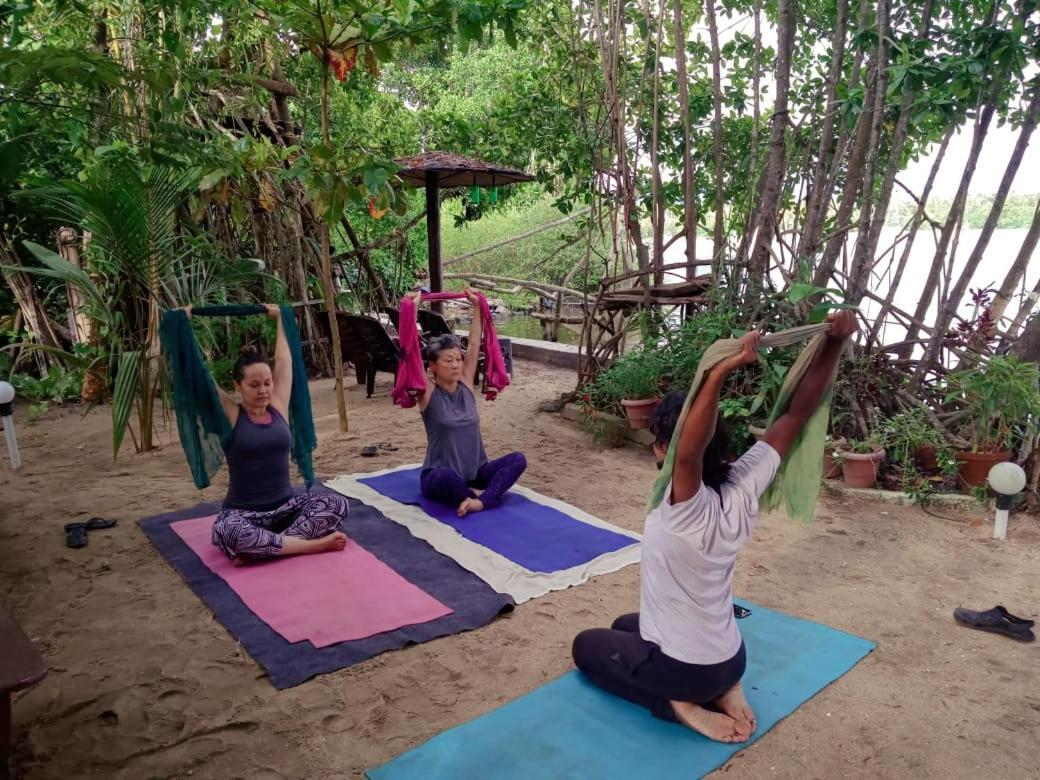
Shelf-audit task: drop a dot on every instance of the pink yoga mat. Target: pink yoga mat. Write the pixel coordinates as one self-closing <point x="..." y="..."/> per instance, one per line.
<point x="325" y="598"/>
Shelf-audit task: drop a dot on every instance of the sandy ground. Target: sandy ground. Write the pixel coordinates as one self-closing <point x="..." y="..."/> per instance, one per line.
<point x="145" y="683"/>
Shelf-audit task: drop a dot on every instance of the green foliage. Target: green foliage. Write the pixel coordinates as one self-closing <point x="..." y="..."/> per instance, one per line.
<point x="1000" y="397"/>
<point x="143" y="262"/>
<point x="1017" y="213"/>
<point x="902" y="434"/>
<point x="58" y="385"/>
<point x="634" y="375"/>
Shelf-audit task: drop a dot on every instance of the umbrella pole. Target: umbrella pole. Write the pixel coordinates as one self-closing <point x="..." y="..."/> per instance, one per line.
<point x="433" y="234"/>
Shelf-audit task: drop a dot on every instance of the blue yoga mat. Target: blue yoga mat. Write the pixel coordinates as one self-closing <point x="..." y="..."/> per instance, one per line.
<point x="474" y="603"/>
<point x="571" y="729"/>
<point x="530" y="534"/>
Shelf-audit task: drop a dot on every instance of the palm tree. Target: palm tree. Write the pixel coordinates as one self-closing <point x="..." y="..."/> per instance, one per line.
<point x="141" y="262"/>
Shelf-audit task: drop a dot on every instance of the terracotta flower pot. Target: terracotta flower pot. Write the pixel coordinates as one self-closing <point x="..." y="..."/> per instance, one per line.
<point x="975" y="466"/>
<point x="926" y="458"/>
<point x="861" y="470"/>
<point x="638" y="411"/>
<point x="831" y="467"/>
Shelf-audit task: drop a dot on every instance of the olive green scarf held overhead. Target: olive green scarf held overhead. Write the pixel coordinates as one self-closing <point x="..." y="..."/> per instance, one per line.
<point x="797" y="483"/>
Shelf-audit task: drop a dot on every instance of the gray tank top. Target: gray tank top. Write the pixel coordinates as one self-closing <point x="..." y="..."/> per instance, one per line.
<point x="453" y="432"/>
<point x="258" y="463"/>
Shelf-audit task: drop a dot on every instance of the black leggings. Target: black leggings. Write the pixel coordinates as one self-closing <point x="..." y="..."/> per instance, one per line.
<point x="620" y="661"/>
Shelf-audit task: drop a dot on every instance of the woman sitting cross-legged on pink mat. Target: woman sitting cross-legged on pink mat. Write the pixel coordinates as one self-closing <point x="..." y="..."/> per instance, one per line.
<point x="262" y="517"/>
<point x="457" y="470"/>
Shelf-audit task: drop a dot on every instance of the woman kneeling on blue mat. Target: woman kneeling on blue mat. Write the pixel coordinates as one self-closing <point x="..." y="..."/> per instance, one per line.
<point x="456" y="470"/>
<point x="681" y="656"/>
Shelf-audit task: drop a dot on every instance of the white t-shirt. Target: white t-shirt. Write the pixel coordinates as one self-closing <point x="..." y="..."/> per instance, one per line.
<point x="689" y="551"/>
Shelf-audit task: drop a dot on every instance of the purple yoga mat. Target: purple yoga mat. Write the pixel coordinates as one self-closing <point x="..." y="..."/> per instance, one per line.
<point x="535" y="536"/>
<point x="472" y="601"/>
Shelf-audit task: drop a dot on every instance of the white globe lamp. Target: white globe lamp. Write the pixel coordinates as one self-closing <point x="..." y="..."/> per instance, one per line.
<point x="1007" y="481"/>
<point x="7" y="416"/>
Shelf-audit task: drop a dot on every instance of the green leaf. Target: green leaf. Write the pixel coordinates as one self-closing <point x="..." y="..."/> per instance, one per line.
<point x="213" y="178"/>
<point x="404" y="10"/>
<point x="800" y="292"/>
<point x="374" y="179"/>
<point x="127" y="381"/>
<point x="819" y="312"/>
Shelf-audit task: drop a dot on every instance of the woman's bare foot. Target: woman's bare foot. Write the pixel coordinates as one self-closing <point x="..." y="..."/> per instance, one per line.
<point x="337" y="540"/>
<point x="733" y="703"/>
<point x="470" y="505"/>
<point x="292" y="545"/>
<point x="713" y="725"/>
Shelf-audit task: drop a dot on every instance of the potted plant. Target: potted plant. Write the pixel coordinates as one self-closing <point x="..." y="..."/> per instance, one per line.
<point x="860" y="462"/>
<point x="831" y="466"/>
<point x="911" y="440"/>
<point x="999" y="398"/>
<point x="633" y="382"/>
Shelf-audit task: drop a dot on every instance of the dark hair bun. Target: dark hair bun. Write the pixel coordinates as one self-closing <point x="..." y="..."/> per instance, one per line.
<point x="246" y="357"/>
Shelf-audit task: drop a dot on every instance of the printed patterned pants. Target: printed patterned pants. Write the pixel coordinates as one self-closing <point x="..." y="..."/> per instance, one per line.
<point x="251" y="534"/>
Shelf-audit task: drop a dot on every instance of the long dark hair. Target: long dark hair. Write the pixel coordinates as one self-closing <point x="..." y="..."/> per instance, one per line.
<point x="715" y="466"/>
<point x="246" y="358"/>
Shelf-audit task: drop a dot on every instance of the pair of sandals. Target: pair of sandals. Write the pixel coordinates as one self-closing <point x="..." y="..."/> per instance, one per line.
<point x="997" y="621"/>
<point x="372" y="450"/>
<point x="76" y="533"/>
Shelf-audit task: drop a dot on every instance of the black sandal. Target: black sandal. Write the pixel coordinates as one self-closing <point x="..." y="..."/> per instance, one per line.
<point x="369" y="452"/>
<point x="100" y="523"/>
<point x="997" y="621"/>
<point x="76" y="535"/>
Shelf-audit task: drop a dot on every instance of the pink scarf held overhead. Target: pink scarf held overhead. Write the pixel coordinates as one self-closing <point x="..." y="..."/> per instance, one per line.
<point x="411" y="373"/>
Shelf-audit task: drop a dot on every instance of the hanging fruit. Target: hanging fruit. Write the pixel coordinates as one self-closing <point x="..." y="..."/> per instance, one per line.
<point x="374" y="209"/>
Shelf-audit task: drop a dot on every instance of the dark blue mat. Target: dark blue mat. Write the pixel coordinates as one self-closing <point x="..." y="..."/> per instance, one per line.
<point x="287" y="664"/>
<point x="569" y="728"/>
<point x="533" y="535"/>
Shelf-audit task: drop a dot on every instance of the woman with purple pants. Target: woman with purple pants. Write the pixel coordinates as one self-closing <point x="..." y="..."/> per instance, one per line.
<point x="457" y="470"/>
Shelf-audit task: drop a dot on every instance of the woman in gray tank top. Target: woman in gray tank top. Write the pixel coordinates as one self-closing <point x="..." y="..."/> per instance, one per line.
<point x="262" y="517"/>
<point x="456" y="470"/>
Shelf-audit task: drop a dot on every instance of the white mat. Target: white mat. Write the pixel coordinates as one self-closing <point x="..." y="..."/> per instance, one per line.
<point x="496" y="570"/>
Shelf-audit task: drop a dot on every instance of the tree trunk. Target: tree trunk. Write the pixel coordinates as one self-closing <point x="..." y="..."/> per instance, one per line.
<point x="915" y="225"/>
<point x="689" y="202"/>
<point x="1018" y="268"/>
<point x="853" y="184"/>
<point x="954" y="217"/>
<point x="326" y="268"/>
<point x="774" y="174"/>
<point x="866" y="245"/>
<point x="816" y="204"/>
<point x="657" y="186"/>
<point x="719" y="235"/>
<point x="953" y="300"/>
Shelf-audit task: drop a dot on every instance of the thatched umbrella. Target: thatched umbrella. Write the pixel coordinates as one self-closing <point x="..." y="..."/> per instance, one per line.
<point x="434" y="170"/>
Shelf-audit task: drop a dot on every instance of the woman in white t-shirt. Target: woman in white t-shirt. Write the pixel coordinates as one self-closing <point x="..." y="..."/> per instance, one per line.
<point x="681" y="656"/>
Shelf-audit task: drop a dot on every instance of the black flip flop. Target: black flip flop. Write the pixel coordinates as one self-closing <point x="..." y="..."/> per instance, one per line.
<point x="100" y="523"/>
<point x="996" y="621"/>
<point x="76" y="535"/>
<point x="369" y="452"/>
<point x="387" y="445"/>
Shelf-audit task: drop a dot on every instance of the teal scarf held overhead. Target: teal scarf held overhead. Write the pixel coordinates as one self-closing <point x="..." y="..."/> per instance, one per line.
<point x="204" y="428"/>
<point x="797" y="484"/>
